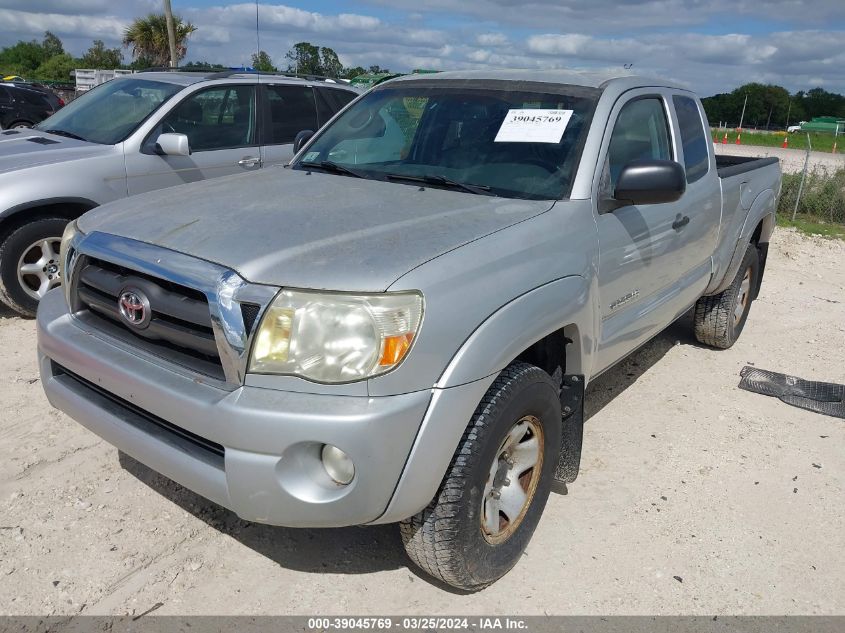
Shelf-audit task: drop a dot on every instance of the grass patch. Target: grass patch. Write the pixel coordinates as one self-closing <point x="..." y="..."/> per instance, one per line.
<point x="821" y="210"/>
<point x="812" y="226"/>
<point x="797" y="140"/>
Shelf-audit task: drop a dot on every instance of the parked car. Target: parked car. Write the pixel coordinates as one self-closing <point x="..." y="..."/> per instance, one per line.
<point x="408" y="336"/>
<point x="135" y="134"/>
<point x="52" y="98"/>
<point x="23" y="106"/>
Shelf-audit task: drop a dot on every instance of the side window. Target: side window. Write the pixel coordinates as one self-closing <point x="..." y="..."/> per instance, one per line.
<point x="217" y="118"/>
<point x="696" y="156"/>
<point x="641" y="132"/>
<point x="292" y="109"/>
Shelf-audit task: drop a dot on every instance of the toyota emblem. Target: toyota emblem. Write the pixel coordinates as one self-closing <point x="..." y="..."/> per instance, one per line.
<point x="134" y="307"/>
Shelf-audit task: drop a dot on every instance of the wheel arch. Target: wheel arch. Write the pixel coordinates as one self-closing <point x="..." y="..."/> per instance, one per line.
<point x="556" y="314"/>
<point x="67" y="207"/>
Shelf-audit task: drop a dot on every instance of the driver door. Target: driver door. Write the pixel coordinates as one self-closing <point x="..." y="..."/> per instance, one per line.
<point x="648" y="274"/>
<point x="220" y="124"/>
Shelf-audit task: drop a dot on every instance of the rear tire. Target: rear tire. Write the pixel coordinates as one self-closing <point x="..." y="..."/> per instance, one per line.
<point x="20" y="124"/>
<point x="720" y="319"/>
<point x="19" y="290"/>
<point x="479" y="524"/>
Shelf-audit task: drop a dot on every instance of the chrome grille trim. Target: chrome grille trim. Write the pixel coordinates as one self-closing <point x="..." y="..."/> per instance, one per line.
<point x="224" y="290"/>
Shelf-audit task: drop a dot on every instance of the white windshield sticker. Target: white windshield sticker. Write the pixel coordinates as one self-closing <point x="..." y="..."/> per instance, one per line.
<point x="310" y="156"/>
<point x="533" y="126"/>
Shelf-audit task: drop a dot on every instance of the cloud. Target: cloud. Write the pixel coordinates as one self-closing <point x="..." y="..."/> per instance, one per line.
<point x="703" y="45"/>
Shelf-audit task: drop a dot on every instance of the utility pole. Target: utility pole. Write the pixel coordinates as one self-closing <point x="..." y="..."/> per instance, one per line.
<point x="788" y="110"/>
<point x="742" y="116"/>
<point x="171" y="33"/>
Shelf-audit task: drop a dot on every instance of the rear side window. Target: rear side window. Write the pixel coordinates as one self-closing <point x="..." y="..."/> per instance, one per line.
<point x="330" y="101"/>
<point x="641" y="133"/>
<point x="696" y="156"/>
<point x="32" y="98"/>
<point x="292" y="109"/>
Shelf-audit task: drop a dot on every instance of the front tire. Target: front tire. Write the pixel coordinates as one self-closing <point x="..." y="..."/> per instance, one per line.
<point x="491" y="499"/>
<point x="29" y="264"/>
<point x="719" y="319"/>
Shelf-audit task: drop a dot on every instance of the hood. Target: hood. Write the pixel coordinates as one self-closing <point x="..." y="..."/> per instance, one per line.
<point x="323" y="231"/>
<point x="24" y="148"/>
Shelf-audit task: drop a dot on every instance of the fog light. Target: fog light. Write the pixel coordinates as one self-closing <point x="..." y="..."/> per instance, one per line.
<point x="337" y="464"/>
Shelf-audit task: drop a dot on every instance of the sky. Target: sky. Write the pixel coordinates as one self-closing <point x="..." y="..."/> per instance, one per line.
<point x="710" y="46"/>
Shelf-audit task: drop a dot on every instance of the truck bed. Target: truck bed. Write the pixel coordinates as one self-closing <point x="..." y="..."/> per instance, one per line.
<point x="727" y="166"/>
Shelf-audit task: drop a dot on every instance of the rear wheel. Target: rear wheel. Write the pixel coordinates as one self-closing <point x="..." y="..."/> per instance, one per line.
<point x="29" y="264"/>
<point x="20" y="124"/>
<point x="719" y="319"/>
<point x="490" y="502"/>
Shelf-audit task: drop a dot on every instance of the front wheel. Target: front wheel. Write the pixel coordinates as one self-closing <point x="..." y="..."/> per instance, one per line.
<point x="480" y="522"/>
<point x="29" y="264"/>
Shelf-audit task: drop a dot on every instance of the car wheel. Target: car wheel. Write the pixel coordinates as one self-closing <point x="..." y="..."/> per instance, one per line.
<point x="719" y="319"/>
<point x="29" y="264"/>
<point x="479" y="524"/>
<point x="19" y="124"/>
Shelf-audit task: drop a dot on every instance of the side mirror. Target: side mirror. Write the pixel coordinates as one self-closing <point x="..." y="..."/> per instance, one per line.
<point x="171" y="144"/>
<point x="650" y="182"/>
<point x="301" y="139"/>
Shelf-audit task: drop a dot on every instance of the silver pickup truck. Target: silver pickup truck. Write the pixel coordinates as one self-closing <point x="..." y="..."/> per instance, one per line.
<point x="409" y="337"/>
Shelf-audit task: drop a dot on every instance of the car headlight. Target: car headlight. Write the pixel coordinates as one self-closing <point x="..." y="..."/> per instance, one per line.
<point x="66" y="254"/>
<point x="335" y="337"/>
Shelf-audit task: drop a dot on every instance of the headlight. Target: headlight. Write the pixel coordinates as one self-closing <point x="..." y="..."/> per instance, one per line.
<point x="334" y="337"/>
<point x="65" y="254"/>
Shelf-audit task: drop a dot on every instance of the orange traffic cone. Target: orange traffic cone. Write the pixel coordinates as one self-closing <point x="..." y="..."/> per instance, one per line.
<point x="725" y="140"/>
<point x="739" y="138"/>
<point x="785" y="142"/>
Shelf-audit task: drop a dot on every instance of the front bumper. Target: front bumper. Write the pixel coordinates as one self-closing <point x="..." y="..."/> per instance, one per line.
<point x="253" y="450"/>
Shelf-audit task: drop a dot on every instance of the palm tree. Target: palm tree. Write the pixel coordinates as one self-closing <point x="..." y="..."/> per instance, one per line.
<point x="148" y="38"/>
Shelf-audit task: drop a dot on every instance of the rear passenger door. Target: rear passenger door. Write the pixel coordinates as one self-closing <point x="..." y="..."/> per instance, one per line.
<point x="287" y="110"/>
<point x="220" y="123"/>
<point x="6" y="107"/>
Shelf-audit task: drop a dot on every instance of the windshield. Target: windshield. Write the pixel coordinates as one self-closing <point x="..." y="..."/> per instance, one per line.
<point x="110" y="112"/>
<point x="509" y="143"/>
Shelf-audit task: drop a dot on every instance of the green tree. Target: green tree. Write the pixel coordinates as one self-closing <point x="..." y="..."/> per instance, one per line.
<point x="262" y="62"/>
<point x="98" y="56"/>
<point x="304" y="58"/>
<point x="377" y="70"/>
<point x="330" y="65"/>
<point x="58" y="68"/>
<point x="22" y="58"/>
<point x="147" y="37"/>
<point x="202" y="66"/>
<point x="354" y="71"/>
<point x="51" y="45"/>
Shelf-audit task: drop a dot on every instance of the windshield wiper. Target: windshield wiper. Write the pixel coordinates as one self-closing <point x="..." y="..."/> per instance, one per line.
<point x="332" y="166"/>
<point x="481" y="190"/>
<point x="67" y="134"/>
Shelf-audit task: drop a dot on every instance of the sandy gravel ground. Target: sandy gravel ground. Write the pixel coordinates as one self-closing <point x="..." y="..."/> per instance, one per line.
<point x="791" y="160"/>
<point x="694" y="498"/>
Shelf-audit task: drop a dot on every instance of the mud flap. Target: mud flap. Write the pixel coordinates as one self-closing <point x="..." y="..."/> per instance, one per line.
<point x="572" y="409"/>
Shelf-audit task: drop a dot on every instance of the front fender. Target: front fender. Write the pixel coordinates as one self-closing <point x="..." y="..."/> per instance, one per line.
<point x="493" y="345"/>
<point x="519" y="324"/>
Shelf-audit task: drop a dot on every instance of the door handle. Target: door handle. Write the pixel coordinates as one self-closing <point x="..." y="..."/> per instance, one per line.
<point x="249" y="162"/>
<point x="680" y="222"/>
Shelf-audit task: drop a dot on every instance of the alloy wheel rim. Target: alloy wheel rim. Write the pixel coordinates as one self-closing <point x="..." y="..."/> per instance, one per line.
<point x="743" y="297"/>
<point x="512" y="480"/>
<point x="39" y="268"/>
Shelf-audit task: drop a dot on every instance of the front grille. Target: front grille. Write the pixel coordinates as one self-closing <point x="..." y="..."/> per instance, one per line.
<point x="179" y="329"/>
<point x="199" y="447"/>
